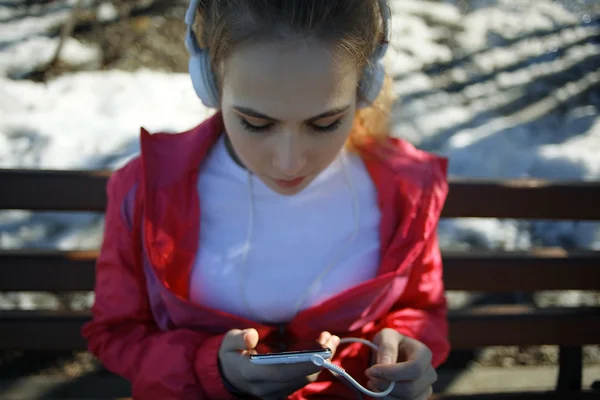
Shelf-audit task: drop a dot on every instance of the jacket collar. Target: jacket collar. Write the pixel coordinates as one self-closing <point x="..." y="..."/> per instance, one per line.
<point x="401" y="173"/>
<point x="170" y="167"/>
<point x="183" y="153"/>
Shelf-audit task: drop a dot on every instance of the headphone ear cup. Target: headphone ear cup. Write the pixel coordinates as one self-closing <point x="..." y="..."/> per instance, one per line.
<point x="203" y="79"/>
<point x="371" y="84"/>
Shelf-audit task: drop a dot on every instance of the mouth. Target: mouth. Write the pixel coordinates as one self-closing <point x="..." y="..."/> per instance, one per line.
<point x="289" y="183"/>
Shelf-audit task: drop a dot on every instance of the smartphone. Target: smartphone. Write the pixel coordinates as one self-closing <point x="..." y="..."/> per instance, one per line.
<point x="296" y="353"/>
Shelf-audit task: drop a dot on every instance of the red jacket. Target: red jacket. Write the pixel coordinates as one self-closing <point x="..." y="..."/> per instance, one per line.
<point x="145" y="328"/>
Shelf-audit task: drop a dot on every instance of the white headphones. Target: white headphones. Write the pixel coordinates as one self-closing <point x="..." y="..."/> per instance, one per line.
<point x="205" y="84"/>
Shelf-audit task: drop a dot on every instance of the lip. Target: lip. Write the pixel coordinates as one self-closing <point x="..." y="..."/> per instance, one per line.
<point x="289" y="183"/>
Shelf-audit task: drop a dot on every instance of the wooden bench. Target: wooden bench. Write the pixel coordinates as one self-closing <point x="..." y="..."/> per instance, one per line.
<point x="470" y="328"/>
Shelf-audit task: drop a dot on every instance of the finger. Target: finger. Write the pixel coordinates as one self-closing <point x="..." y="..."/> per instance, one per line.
<point x="277" y="390"/>
<point x="237" y="340"/>
<point x="292" y="372"/>
<point x="405" y="390"/>
<point x="425" y="381"/>
<point x="425" y="395"/>
<point x="400" y="372"/>
<point x="378" y="385"/>
<point x="412" y="390"/>
<point x="373" y="386"/>
<point x="233" y="341"/>
<point x="387" y="354"/>
<point x="387" y="343"/>
<point x="324" y="338"/>
<point x="278" y="373"/>
<point x="332" y="343"/>
<point x="251" y="338"/>
<point x="412" y="350"/>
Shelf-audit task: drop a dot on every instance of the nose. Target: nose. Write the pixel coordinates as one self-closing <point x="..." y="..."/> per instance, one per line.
<point x="288" y="158"/>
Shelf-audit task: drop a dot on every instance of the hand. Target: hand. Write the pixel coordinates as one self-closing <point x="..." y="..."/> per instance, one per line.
<point x="402" y="360"/>
<point x="265" y="381"/>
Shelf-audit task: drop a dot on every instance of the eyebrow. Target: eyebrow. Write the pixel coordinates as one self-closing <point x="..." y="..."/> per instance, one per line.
<point x="255" y="114"/>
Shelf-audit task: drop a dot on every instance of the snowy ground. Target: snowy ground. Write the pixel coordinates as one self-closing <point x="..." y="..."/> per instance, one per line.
<point x="515" y="93"/>
<point x="504" y="88"/>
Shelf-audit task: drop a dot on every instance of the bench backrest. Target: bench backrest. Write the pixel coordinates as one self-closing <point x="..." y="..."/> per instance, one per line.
<point x="536" y="270"/>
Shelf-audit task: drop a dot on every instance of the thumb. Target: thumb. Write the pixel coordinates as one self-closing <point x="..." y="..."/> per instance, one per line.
<point x="240" y="340"/>
<point x="388" y="348"/>
<point x="387" y="353"/>
<point x="251" y="338"/>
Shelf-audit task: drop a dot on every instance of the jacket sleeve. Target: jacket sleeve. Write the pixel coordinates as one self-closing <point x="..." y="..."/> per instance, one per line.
<point x="179" y="364"/>
<point x="421" y="312"/>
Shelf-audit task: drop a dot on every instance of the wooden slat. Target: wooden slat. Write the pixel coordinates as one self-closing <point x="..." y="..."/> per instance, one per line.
<point x="587" y="395"/>
<point x="542" y="269"/>
<point x="42" y="330"/>
<point x="522" y="325"/>
<point x="486" y="326"/>
<point x="53" y="190"/>
<point x="549" y="269"/>
<point x="527" y="199"/>
<point x="109" y="386"/>
<point x="47" y="270"/>
<point x="48" y="190"/>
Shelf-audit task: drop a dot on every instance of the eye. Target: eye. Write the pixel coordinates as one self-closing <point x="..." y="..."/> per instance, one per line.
<point x="327" y="128"/>
<point x="255" y="128"/>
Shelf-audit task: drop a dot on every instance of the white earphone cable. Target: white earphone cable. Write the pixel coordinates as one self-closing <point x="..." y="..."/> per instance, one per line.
<point x="316" y="359"/>
<point x="312" y="287"/>
<point x="246" y="248"/>
<point x="321" y="362"/>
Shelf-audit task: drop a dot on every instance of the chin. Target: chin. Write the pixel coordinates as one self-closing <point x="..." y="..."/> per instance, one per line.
<point x="286" y="191"/>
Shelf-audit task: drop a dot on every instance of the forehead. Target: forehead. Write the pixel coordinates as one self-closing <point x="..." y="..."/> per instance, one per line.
<point x="289" y="80"/>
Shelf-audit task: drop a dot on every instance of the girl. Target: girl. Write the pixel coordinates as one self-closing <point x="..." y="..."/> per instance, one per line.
<point x="289" y="213"/>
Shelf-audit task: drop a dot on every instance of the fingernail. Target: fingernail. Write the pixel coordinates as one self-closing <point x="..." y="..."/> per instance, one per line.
<point x="386" y="360"/>
<point x="373" y="373"/>
<point x="335" y="340"/>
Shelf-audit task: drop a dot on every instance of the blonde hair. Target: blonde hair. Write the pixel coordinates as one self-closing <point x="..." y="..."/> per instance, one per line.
<point x="354" y="26"/>
<point x="372" y="124"/>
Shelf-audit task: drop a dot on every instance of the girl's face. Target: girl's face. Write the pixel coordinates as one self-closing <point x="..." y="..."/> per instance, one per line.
<point x="288" y="109"/>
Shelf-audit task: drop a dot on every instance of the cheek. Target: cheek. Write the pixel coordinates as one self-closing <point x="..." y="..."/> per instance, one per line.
<point x="326" y="146"/>
<point x="247" y="146"/>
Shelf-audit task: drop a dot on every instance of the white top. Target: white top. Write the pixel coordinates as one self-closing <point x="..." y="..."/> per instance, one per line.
<point x="293" y="239"/>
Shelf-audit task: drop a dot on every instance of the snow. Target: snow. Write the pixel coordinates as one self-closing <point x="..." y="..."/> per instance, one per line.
<point x="25" y="46"/>
<point x="107" y="12"/>
<point x="504" y="88"/>
<point x="90" y="120"/>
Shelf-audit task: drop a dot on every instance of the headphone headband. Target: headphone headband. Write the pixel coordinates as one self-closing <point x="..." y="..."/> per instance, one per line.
<point x="190" y="14"/>
<point x="205" y="83"/>
<point x="385" y="18"/>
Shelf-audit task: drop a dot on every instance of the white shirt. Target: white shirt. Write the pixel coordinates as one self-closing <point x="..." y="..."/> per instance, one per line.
<point x="294" y="238"/>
